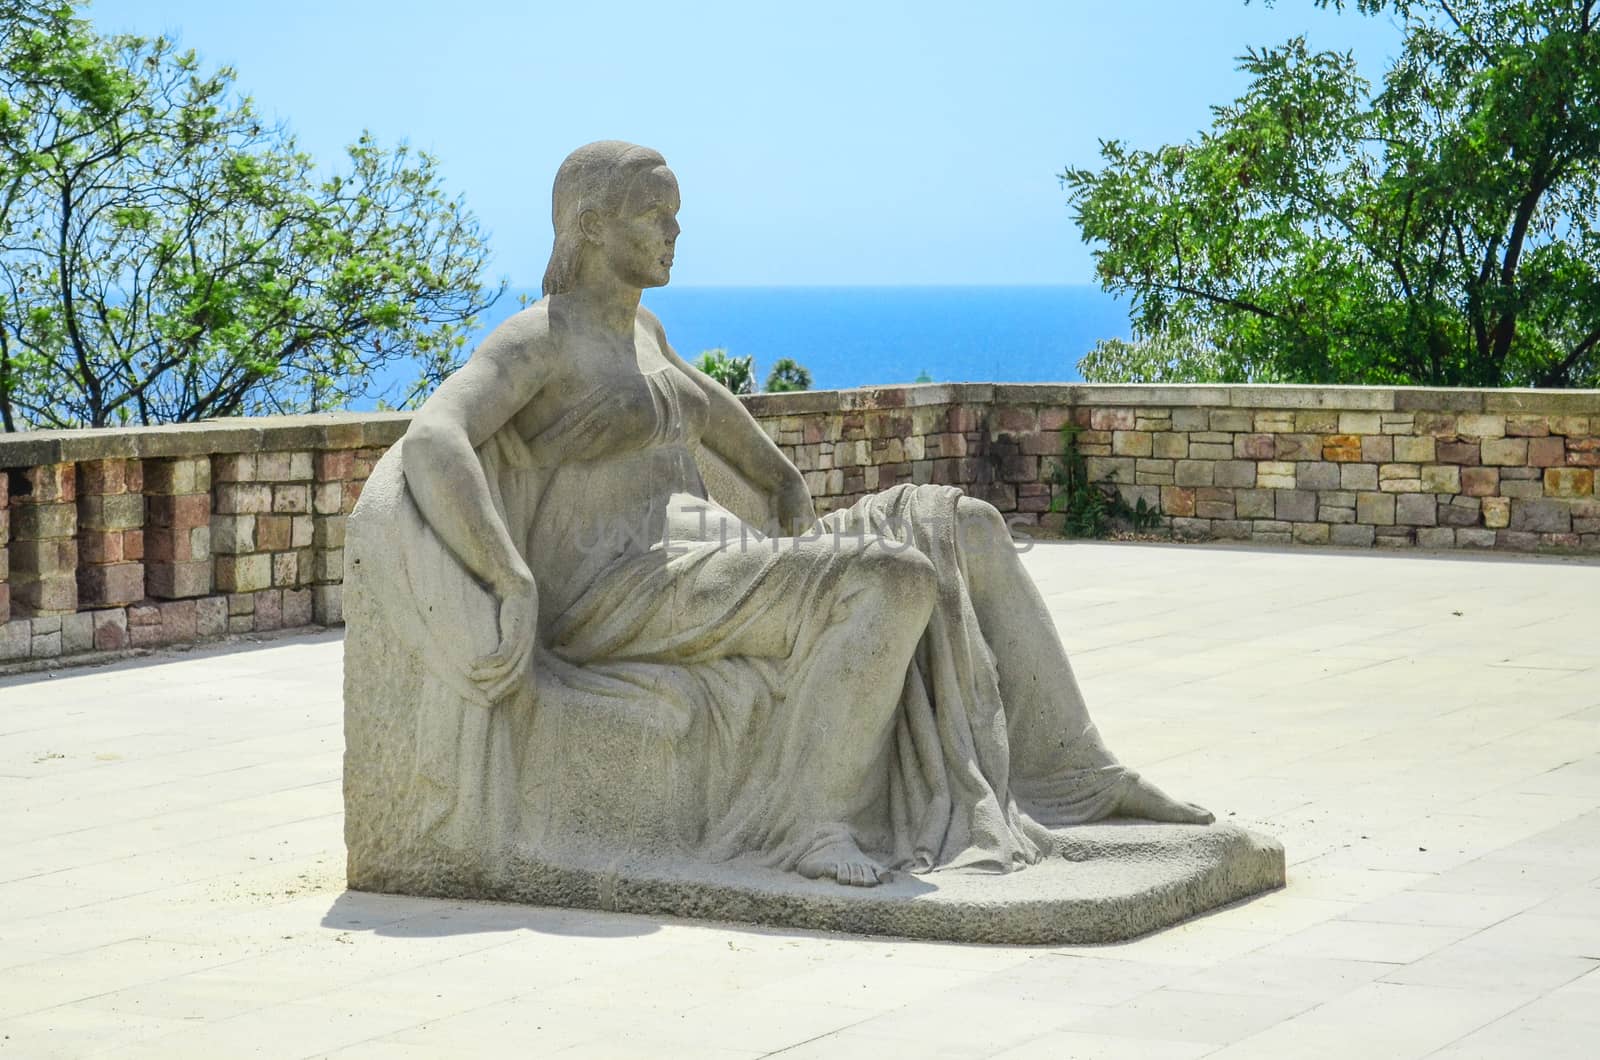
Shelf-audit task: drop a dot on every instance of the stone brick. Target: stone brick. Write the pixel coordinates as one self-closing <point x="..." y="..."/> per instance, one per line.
<point x="1436" y="537"/>
<point x="179" y="475"/>
<point x="1177" y="501"/>
<point x="117" y="511"/>
<point x="1461" y="511"/>
<point x="1316" y="421"/>
<point x="178" y="580"/>
<point x="1351" y="536"/>
<point x="1394" y="537"/>
<point x="1272" y="421"/>
<point x="211" y="616"/>
<point x="1297" y="447"/>
<point x="1343" y="448"/>
<point x="180" y="511"/>
<point x="297" y="608"/>
<point x="1541" y="516"/>
<point x="274" y="467"/>
<point x="50" y="484"/>
<point x="1317" y="475"/>
<point x="1527" y="426"/>
<point x="1110" y="468"/>
<point x="1130" y="443"/>
<point x="1112" y="419"/>
<point x="1153" y="472"/>
<point x="285" y="569"/>
<point x="1398" y="422"/>
<point x="1496" y="512"/>
<point x="302" y="529"/>
<point x="46" y="645"/>
<point x="327" y="604"/>
<point x="1516" y="540"/>
<point x="1255" y="504"/>
<point x="328" y="498"/>
<point x="1400" y="478"/>
<point x="329" y="564"/>
<point x="244" y="574"/>
<point x="1441" y="425"/>
<point x="110" y="584"/>
<point x="269" y="610"/>
<point x="1214" y="503"/>
<point x="1311" y="534"/>
<point x="1230" y="529"/>
<point x="1358" y="476"/>
<point x="1377" y="449"/>
<point x="35" y="522"/>
<point x="1327" y="513"/>
<point x="1376" y="509"/>
<point x="1503" y="452"/>
<point x="1412" y="450"/>
<point x="1452" y="452"/>
<point x="77" y="633"/>
<point x="1522" y="489"/>
<point x="1227" y="420"/>
<point x="1547" y="452"/>
<point x="1480" y="427"/>
<point x="243" y="498"/>
<point x="241" y="604"/>
<point x="1360" y="423"/>
<point x="51" y="594"/>
<point x="1210" y="450"/>
<point x="1234" y="473"/>
<point x="1474" y="538"/>
<point x="1295" y="506"/>
<point x="1194" y="472"/>
<point x="233" y="467"/>
<point x="1569" y="482"/>
<point x="1571" y="426"/>
<point x="16" y="640"/>
<point x="47" y="556"/>
<point x="1441" y="478"/>
<point x="1170" y="446"/>
<point x="300" y="466"/>
<point x="1583" y="452"/>
<point x="233" y="534"/>
<point x="272" y="532"/>
<point x="98" y="477"/>
<point x="1254" y="446"/>
<point x="297" y="498"/>
<point x="1275" y="475"/>
<point x="179" y="621"/>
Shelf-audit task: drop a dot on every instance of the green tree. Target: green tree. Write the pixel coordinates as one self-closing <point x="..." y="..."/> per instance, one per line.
<point x="738" y="374"/>
<point x="1443" y="229"/>
<point x="787" y="375"/>
<point x="167" y="256"/>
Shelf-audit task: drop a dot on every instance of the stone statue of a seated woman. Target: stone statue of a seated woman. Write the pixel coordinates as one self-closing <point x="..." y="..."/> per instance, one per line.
<point x="568" y="665"/>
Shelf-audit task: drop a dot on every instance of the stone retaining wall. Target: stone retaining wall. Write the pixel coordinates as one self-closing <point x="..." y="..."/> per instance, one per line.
<point x="116" y="539"/>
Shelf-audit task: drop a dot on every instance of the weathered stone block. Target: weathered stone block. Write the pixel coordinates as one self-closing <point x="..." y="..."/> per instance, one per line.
<point x="1541" y="516"/>
<point x="1436" y="537"/>
<point x="1354" y="536"/>
<point x="1474" y="538"/>
<point x="327" y="604"/>
<point x="285" y="569"/>
<point x="243" y="498"/>
<point x="1441" y="425"/>
<point x="1416" y="509"/>
<point x="110" y="584"/>
<point x="1441" y="478"/>
<point x="1342" y="448"/>
<point x="1297" y="447"/>
<point x="1377" y="448"/>
<point x="1496" y="512"/>
<point x="1275" y="475"/>
<point x="1571" y="426"/>
<point x="49" y="484"/>
<point x="273" y="532"/>
<point x="1568" y="482"/>
<point x="1194" y="472"/>
<point x="46" y="645"/>
<point x="1110" y="468"/>
<point x="1311" y="534"/>
<point x="1316" y="421"/>
<point x="1177" y="501"/>
<point x="178" y="580"/>
<point x="1480" y="481"/>
<point x="110" y="629"/>
<point x="269" y="610"/>
<point x="1358" y="476"/>
<point x="16" y="640"/>
<point x="1453" y="452"/>
<point x="1480" y="427"/>
<point x="1112" y="419"/>
<point x="1504" y="452"/>
<point x="211" y="616"/>
<point x="52" y="594"/>
<point x="1295" y="506"/>
<point x="1254" y="446"/>
<point x="233" y="534"/>
<point x="1191" y="419"/>
<point x="1412" y="450"/>
<point x="1547" y="452"/>
<point x="1173" y="445"/>
<point x="46" y="556"/>
<point x="233" y="467"/>
<point x="1461" y="511"/>
<point x="1210" y="450"/>
<point x="244" y="574"/>
<point x="297" y="498"/>
<point x="1254" y="503"/>
<point x="1130" y="443"/>
<point x="1272" y="421"/>
<point x="1376" y="509"/>
<point x="1360" y="423"/>
<point x="1527" y="426"/>
<point x="1227" y="420"/>
<point x="34" y="522"/>
<point x="176" y="476"/>
<point x="1317" y="475"/>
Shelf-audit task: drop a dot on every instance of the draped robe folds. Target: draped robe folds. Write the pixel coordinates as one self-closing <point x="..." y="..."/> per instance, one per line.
<point x="668" y="711"/>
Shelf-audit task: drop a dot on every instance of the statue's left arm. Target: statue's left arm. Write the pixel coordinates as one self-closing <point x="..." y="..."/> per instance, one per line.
<point x="734" y="435"/>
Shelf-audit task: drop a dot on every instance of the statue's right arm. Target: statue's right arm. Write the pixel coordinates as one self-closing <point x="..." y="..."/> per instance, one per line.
<point x="446" y="480"/>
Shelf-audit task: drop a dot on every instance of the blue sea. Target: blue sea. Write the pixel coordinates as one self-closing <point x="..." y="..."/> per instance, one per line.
<point x="870" y="336"/>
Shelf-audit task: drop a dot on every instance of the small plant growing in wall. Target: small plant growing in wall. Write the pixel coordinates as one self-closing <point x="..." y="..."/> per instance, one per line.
<point x="1092" y="509"/>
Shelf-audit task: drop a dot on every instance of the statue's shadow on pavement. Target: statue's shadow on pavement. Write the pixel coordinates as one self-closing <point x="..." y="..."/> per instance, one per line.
<point x="402" y="916"/>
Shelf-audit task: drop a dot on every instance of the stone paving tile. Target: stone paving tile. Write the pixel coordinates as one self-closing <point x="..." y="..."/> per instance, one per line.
<point x="171" y="869"/>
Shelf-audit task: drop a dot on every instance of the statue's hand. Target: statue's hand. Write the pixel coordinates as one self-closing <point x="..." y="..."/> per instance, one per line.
<point x="499" y="673"/>
<point x="796" y="514"/>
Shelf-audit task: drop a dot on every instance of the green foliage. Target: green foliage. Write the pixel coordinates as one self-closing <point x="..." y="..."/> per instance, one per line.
<point x="787" y="375"/>
<point x="1092" y="509"/>
<point x="738" y="374"/>
<point x="1443" y="229"/>
<point x="1163" y="358"/>
<point x="167" y="256"/>
<point x="923" y="377"/>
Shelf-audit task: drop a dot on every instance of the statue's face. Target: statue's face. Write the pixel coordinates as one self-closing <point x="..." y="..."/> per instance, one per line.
<point x="638" y="242"/>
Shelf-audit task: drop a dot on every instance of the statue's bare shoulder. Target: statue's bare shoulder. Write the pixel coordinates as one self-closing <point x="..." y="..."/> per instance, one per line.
<point x="501" y="378"/>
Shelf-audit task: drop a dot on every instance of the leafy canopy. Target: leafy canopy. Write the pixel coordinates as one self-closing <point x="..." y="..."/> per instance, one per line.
<point x="786" y="375"/>
<point x="1442" y="228"/>
<point x="167" y="256"/>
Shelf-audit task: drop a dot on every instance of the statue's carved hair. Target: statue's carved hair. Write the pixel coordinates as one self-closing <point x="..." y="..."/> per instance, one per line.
<point x="597" y="177"/>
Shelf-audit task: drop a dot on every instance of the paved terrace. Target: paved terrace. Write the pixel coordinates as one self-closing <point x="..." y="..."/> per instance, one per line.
<point x="1421" y="732"/>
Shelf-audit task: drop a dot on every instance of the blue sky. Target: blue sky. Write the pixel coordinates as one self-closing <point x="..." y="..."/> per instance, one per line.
<point x="816" y="143"/>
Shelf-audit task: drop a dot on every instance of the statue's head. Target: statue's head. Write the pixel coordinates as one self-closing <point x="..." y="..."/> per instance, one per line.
<point x="614" y="202"/>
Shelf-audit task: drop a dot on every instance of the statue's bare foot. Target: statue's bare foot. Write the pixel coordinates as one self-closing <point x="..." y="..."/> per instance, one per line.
<point x="837" y="857"/>
<point x="1148" y="802"/>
